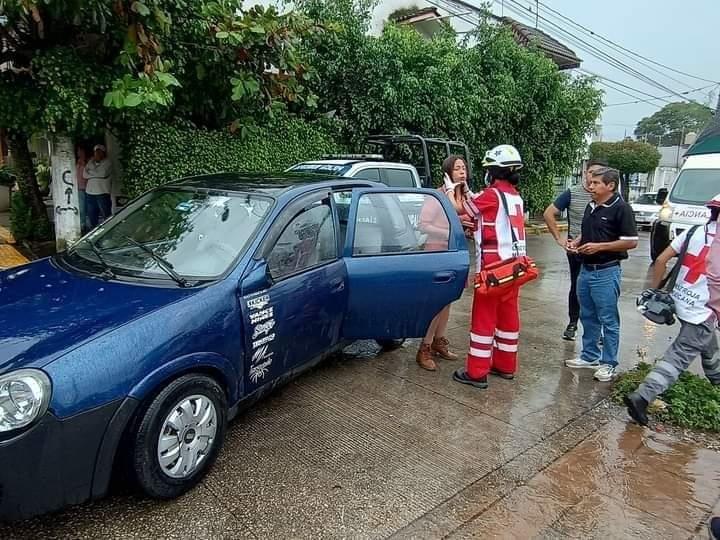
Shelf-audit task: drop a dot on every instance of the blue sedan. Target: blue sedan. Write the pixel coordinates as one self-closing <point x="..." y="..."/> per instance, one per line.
<point x="135" y="347"/>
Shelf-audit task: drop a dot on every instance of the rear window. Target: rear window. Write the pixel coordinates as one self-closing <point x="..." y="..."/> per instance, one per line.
<point x="400" y="178"/>
<point x="696" y="186"/>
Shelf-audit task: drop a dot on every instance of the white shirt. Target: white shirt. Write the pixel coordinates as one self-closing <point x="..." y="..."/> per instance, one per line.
<point x="98" y="177"/>
<point x="691" y="293"/>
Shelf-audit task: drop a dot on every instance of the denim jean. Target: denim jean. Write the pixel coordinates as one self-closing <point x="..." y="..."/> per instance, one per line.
<point x="599" y="293"/>
<point x="98" y="208"/>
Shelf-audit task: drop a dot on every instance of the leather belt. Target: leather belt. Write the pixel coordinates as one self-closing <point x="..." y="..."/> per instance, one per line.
<point x="603" y="266"/>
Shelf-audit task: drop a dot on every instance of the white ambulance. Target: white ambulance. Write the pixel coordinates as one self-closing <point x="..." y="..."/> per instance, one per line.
<point x="697" y="183"/>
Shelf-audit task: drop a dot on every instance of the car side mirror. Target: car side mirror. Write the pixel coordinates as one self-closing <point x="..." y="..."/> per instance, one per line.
<point x="258" y="279"/>
<point x="661" y="196"/>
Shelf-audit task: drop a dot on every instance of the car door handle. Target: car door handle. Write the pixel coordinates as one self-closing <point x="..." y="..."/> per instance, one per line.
<point x="337" y="285"/>
<point x="444" y="277"/>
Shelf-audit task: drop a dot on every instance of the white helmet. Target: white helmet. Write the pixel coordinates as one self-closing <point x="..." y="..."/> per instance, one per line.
<point x="505" y="156"/>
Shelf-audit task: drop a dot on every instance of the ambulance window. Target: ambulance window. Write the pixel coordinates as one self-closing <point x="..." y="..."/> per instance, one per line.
<point x="696" y="186"/>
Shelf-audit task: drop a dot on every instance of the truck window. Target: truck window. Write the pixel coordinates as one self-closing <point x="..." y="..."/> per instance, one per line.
<point x="696" y="186"/>
<point x="400" y="178"/>
<point x="368" y="174"/>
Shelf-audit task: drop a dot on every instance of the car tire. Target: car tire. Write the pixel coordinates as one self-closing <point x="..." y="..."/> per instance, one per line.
<point x="659" y="240"/>
<point x="390" y="344"/>
<point x="191" y="410"/>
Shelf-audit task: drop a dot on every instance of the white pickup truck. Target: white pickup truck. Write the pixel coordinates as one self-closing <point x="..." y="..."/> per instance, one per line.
<point x="364" y="167"/>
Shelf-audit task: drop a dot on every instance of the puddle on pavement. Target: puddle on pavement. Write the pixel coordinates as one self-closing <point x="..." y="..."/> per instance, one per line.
<point x="645" y="474"/>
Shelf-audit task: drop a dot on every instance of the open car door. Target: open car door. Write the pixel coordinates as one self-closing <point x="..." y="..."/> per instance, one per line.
<point x="406" y="257"/>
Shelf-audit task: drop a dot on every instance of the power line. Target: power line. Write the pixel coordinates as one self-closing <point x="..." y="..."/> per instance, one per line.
<point x="595" y="34"/>
<point x="621" y="50"/>
<point x="607" y="79"/>
<point x="658" y="97"/>
<point x="599" y="53"/>
<point x="577" y="41"/>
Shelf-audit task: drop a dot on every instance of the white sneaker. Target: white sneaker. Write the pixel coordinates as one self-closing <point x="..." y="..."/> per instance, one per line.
<point x="579" y="363"/>
<point x="605" y="374"/>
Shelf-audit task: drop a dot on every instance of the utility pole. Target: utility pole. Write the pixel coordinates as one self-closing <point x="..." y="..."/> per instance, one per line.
<point x="537" y="12"/>
<point x="677" y="158"/>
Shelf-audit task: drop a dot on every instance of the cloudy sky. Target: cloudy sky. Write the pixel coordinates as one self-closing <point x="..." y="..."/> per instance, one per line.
<point x="680" y="35"/>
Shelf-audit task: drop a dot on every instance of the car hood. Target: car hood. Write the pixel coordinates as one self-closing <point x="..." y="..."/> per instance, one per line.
<point x="46" y="311"/>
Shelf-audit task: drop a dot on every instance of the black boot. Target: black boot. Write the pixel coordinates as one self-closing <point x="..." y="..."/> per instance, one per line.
<point x="462" y="377"/>
<point x="637" y="408"/>
<point x="570" y="331"/>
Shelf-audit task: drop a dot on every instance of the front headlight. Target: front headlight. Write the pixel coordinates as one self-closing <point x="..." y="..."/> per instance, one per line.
<point x="24" y="396"/>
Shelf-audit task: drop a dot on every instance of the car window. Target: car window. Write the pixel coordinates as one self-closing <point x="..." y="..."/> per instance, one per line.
<point x="387" y="223"/>
<point x="368" y="174"/>
<point x="646" y="198"/>
<point x="198" y="234"/>
<point x="307" y="241"/>
<point x="401" y="178"/>
<point x="696" y="186"/>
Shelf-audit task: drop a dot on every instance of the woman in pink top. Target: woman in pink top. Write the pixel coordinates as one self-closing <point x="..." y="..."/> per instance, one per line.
<point x="434" y="223"/>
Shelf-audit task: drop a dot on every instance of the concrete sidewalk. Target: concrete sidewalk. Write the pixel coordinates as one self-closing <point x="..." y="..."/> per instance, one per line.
<point x="9" y="256"/>
<point x="370" y="446"/>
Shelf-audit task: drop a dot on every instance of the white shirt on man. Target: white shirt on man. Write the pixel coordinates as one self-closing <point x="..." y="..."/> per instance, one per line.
<point x="98" y="177"/>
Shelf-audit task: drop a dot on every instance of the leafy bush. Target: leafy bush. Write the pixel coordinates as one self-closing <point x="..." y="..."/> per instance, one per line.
<point x="155" y="153"/>
<point x="8" y="176"/>
<point x="22" y="224"/>
<point x="485" y="92"/>
<point x="693" y="402"/>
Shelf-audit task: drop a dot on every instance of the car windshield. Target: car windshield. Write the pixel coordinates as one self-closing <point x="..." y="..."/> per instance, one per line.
<point x="321" y="168"/>
<point x="646" y="198"/>
<point x="696" y="186"/>
<point x="175" y="233"/>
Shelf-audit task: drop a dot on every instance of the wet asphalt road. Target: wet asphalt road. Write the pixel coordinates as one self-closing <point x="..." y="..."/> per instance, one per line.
<point x="370" y="446"/>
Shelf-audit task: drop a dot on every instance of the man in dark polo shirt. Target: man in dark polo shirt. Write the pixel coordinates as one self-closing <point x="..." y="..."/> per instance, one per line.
<point x="575" y="201"/>
<point x="608" y="232"/>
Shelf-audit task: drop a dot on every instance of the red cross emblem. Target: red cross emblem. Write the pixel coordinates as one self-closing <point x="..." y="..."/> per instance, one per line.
<point x="695" y="265"/>
<point x="517" y="221"/>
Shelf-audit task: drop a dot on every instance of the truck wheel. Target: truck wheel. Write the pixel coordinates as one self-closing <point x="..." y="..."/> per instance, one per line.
<point x="659" y="240"/>
<point x="179" y="436"/>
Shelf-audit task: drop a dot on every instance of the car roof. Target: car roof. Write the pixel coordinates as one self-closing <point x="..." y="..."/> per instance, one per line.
<point x="273" y="184"/>
<point x="346" y="162"/>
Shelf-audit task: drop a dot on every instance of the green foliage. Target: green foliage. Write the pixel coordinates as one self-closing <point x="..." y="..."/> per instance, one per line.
<point x="666" y="127"/>
<point x="693" y="402"/>
<point x="156" y="153"/>
<point x="490" y="93"/>
<point x="628" y="157"/>
<point x="22" y="224"/>
<point x="8" y="175"/>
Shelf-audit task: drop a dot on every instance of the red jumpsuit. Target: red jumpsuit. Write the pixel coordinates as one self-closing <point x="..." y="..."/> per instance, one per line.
<point x="495" y="327"/>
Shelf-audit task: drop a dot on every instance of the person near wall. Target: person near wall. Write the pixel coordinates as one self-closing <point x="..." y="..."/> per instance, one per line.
<point x="499" y="235"/>
<point x="433" y="222"/>
<point x="98" y="201"/>
<point x="608" y="231"/>
<point x="575" y="200"/>
<point x="691" y="297"/>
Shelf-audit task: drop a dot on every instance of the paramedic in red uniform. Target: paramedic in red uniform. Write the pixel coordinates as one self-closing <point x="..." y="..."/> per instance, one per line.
<point x="495" y="325"/>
